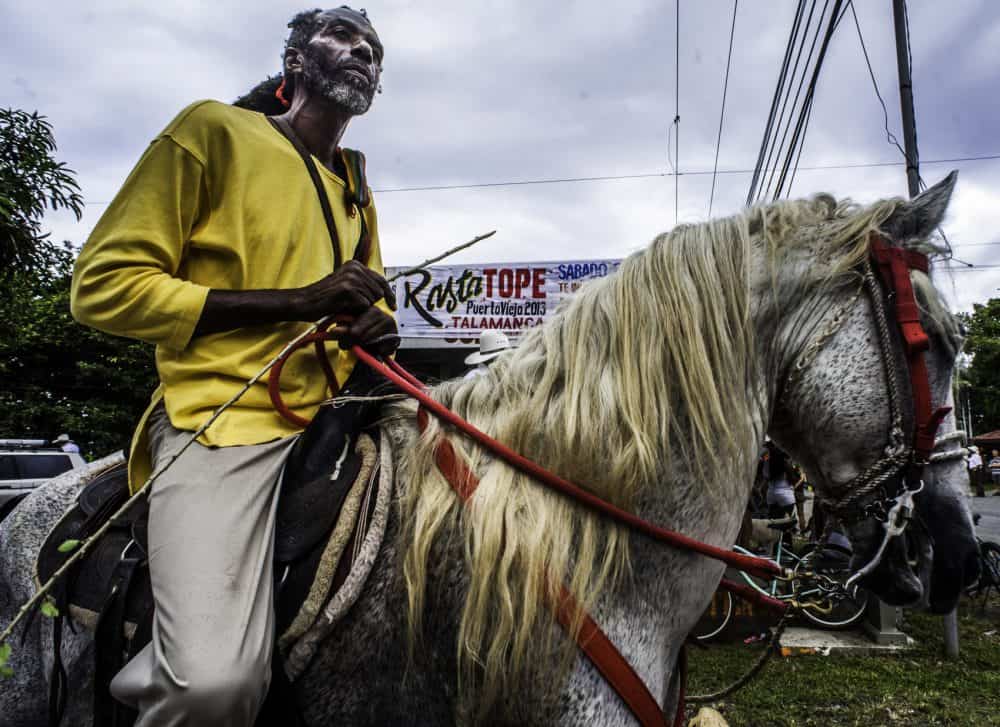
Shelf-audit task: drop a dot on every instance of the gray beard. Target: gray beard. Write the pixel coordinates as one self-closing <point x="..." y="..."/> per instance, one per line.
<point x="348" y="94"/>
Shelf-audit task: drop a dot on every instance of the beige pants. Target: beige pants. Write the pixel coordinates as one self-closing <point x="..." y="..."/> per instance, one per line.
<point x="211" y="536"/>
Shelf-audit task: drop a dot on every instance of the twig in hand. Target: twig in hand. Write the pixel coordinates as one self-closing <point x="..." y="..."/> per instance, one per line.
<point x="442" y="256"/>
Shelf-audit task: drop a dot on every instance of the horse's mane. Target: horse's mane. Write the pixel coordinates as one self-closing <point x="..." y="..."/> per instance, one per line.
<point x="654" y="361"/>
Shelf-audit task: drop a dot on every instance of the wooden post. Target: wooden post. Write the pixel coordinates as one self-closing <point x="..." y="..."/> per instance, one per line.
<point x="906" y="98"/>
<point x="951" y="634"/>
<point x="913" y="185"/>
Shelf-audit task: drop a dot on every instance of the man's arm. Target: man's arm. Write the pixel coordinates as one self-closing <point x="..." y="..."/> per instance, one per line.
<point x="351" y="290"/>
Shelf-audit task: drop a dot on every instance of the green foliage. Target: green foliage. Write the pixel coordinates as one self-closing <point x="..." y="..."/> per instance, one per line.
<point x="917" y="687"/>
<point x="30" y="181"/>
<point x="49" y="608"/>
<point x="983" y="374"/>
<point x="59" y="376"/>
<point x="5" y="670"/>
<point x="68" y="546"/>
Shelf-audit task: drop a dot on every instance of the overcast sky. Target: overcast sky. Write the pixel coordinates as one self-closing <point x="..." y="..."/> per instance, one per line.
<point x="489" y="91"/>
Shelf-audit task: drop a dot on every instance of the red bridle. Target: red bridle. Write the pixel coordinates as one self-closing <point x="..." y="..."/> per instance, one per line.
<point x="894" y="265"/>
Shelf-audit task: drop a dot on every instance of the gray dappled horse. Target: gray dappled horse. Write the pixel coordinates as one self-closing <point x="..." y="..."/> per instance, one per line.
<point x="653" y="387"/>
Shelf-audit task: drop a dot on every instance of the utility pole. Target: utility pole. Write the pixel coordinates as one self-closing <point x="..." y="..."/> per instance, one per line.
<point x="906" y="98"/>
<point x="913" y="185"/>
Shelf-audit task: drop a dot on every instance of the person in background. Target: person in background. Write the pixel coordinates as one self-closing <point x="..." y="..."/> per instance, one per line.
<point x="975" y="464"/>
<point x="799" y="488"/>
<point x="66" y="444"/>
<point x="994" y="466"/>
<point x="491" y="345"/>
<point x="780" y="476"/>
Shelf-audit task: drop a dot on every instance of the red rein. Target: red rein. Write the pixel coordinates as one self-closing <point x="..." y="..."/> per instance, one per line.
<point x="595" y="644"/>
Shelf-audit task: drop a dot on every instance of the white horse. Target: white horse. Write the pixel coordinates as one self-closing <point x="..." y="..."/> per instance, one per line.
<point x="653" y="388"/>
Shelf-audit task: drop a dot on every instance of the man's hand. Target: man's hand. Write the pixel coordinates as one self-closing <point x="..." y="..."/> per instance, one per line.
<point x="352" y="289"/>
<point x="375" y="330"/>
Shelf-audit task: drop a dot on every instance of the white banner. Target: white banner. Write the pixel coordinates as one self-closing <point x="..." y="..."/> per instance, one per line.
<point x="451" y="305"/>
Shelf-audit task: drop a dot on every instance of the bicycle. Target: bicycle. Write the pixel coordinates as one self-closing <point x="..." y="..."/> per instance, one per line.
<point x="989" y="568"/>
<point x="823" y="570"/>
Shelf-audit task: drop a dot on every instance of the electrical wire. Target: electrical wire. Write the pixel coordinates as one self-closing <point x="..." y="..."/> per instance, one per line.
<point x="776" y="148"/>
<point x="890" y="137"/>
<point x="722" y="113"/>
<point x="779" y="86"/>
<point x="798" y="136"/>
<point x="649" y="175"/>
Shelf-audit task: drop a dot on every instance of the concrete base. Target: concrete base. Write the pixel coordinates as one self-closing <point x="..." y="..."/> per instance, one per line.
<point x="880" y="624"/>
<point x="799" y="641"/>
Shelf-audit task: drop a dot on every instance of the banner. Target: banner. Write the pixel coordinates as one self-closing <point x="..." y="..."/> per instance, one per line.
<point x="451" y="305"/>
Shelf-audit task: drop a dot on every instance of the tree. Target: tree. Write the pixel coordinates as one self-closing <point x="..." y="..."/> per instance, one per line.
<point x="31" y="180"/>
<point x="983" y="374"/>
<point x="58" y="376"/>
<point x="55" y="375"/>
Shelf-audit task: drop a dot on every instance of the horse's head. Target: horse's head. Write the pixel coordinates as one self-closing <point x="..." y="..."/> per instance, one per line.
<point x="846" y="412"/>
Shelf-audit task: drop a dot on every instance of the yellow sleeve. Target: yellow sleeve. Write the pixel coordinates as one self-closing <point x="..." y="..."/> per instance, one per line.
<point x="125" y="281"/>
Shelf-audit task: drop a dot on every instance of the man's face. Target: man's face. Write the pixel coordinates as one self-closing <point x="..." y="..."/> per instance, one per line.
<point x="343" y="61"/>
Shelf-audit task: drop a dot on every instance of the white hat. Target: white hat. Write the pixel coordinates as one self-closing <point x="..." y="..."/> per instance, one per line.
<point x="973" y="448"/>
<point x="61" y="438"/>
<point x="491" y="345"/>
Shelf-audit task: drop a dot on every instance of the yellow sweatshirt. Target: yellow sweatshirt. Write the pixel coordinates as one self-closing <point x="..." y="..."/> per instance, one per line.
<point x="219" y="200"/>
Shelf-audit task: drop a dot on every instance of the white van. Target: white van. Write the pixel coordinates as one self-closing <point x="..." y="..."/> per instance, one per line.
<point x="25" y="464"/>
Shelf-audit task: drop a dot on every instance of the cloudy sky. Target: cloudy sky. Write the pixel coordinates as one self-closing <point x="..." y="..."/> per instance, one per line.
<point x="486" y="91"/>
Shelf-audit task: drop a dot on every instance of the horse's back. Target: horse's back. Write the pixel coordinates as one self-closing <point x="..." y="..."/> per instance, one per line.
<point x="24" y="696"/>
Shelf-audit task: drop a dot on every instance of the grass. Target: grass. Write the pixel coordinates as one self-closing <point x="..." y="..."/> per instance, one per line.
<point x="917" y="687"/>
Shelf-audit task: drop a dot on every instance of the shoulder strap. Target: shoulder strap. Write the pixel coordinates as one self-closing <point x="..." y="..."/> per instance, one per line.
<point x="286" y="130"/>
<point x="359" y="194"/>
<point x="357" y="191"/>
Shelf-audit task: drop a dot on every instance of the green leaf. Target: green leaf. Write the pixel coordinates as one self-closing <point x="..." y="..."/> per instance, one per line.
<point x="49" y="608"/>
<point x="5" y="670"/>
<point x="68" y="546"/>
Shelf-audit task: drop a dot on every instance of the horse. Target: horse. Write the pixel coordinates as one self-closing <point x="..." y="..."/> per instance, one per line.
<point x="652" y="387"/>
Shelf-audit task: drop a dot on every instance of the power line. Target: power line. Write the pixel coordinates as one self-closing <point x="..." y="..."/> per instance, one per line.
<point x="722" y="113"/>
<point x="776" y="148"/>
<point x="890" y="137"/>
<point x="798" y="136"/>
<point x="650" y="175"/>
<point x="779" y="86"/>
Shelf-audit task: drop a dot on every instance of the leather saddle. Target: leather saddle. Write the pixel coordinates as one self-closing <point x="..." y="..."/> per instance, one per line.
<point x="109" y="590"/>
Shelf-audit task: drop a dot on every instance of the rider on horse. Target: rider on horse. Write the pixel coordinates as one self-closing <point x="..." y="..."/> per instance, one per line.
<point x="216" y="251"/>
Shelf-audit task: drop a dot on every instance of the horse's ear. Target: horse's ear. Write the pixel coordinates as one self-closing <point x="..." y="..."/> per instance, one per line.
<point x="917" y="218"/>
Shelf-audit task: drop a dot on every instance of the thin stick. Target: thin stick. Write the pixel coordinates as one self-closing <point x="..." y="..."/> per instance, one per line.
<point x="86" y="543"/>
<point x="442" y="256"/>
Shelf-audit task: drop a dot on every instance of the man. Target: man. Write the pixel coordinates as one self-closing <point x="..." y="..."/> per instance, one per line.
<point x="491" y="344"/>
<point x="66" y="444"/>
<point x="975" y="463"/>
<point x="216" y="250"/>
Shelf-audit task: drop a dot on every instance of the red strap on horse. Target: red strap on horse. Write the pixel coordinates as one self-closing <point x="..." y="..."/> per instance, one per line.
<point x="591" y="639"/>
<point x="599" y="649"/>
<point x="894" y="265"/>
<point x="390" y="369"/>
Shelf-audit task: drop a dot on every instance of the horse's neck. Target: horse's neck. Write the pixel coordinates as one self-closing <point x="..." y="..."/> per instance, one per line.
<point x="786" y="317"/>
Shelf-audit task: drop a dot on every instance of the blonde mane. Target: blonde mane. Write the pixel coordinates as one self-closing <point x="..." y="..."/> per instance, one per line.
<point x="652" y="363"/>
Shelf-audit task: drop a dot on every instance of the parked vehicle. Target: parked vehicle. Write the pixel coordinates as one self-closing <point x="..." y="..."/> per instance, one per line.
<point x="25" y="464"/>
